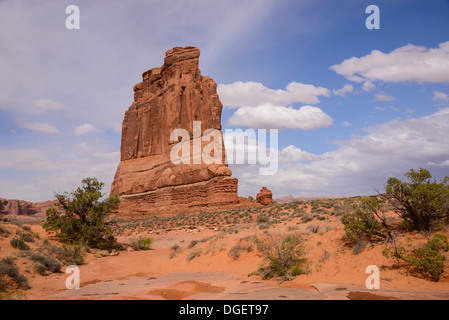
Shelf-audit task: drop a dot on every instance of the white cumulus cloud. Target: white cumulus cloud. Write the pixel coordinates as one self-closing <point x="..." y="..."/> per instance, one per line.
<point x="292" y="153"/>
<point x="384" y="97"/>
<point x="407" y="63"/>
<point x="268" y="116"/>
<point x="360" y="165"/>
<point x="250" y="94"/>
<point x="368" y="86"/>
<point x="42" y="127"/>
<point x="45" y="105"/>
<point x="85" y="129"/>
<point x="440" y="97"/>
<point x="347" y="88"/>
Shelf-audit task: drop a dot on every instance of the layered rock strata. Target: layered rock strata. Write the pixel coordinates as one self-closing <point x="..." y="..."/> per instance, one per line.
<point x="23" y="208"/>
<point x="173" y="97"/>
<point x="265" y="197"/>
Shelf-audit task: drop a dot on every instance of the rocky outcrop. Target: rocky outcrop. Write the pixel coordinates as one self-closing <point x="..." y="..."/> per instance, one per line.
<point x="170" y="98"/>
<point x="265" y="197"/>
<point x="23" y="208"/>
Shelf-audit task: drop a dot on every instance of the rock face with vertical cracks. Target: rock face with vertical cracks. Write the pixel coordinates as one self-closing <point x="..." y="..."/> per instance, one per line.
<point x="172" y="97"/>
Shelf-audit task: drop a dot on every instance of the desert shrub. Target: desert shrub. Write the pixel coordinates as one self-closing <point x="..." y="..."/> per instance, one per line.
<point x="236" y="250"/>
<point x="18" y="243"/>
<point x="40" y="268"/>
<point x="176" y="248"/>
<point x="366" y="220"/>
<point x="43" y="264"/>
<point x="4" y="232"/>
<point x="81" y="216"/>
<point x="192" y="244"/>
<point x="313" y="228"/>
<point x="359" y="244"/>
<point x="262" y="218"/>
<point x="3" y="288"/>
<point x="142" y="243"/>
<point x="338" y="210"/>
<point x="264" y="226"/>
<point x="8" y="268"/>
<point x="27" y="237"/>
<point x="426" y="260"/>
<point x="68" y="254"/>
<point x="328" y="204"/>
<point x="305" y="217"/>
<point x="419" y="201"/>
<point x="283" y="257"/>
<point x="101" y="253"/>
<point x="194" y="253"/>
<point x="28" y="230"/>
<point x="72" y="254"/>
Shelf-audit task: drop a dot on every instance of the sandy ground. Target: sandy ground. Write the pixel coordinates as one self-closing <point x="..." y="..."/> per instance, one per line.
<point x="335" y="270"/>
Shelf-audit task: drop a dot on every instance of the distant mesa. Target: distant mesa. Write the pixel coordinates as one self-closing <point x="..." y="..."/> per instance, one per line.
<point x="171" y="97"/>
<point x="285" y="199"/>
<point x="290" y="198"/>
<point x="23" y="208"/>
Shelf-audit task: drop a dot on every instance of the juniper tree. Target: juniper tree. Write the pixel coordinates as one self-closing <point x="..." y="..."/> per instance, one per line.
<point x="79" y="217"/>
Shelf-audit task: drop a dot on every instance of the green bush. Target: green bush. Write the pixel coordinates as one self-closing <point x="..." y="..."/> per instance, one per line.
<point x="283" y="257"/>
<point x="422" y="205"/>
<point x="426" y="260"/>
<point x="73" y="255"/>
<point x="18" y="243"/>
<point x="305" y="217"/>
<point x="420" y="202"/>
<point x="142" y="243"/>
<point x="81" y="216"/>
<point x="365" y="220"/>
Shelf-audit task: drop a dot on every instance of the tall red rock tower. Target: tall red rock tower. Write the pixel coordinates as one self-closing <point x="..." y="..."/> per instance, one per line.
<point x="171" y="97"/>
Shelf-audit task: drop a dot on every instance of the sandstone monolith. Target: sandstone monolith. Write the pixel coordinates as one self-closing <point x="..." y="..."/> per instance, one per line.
<point x="172" y="97"/>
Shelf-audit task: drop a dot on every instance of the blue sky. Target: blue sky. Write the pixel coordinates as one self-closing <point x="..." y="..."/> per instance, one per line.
<point x="376" y="101"/>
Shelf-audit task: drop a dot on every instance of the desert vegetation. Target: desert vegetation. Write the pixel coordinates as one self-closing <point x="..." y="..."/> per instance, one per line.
<point x="29" y="256"/>
<point x="418" y="205"/>
<point x="406" y="224"/>
<point x="80" y="216"/>
<point x="283" y="256"/>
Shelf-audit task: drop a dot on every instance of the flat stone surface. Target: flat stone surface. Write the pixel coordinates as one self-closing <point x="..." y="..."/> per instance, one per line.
<point x="226" y="286"/>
